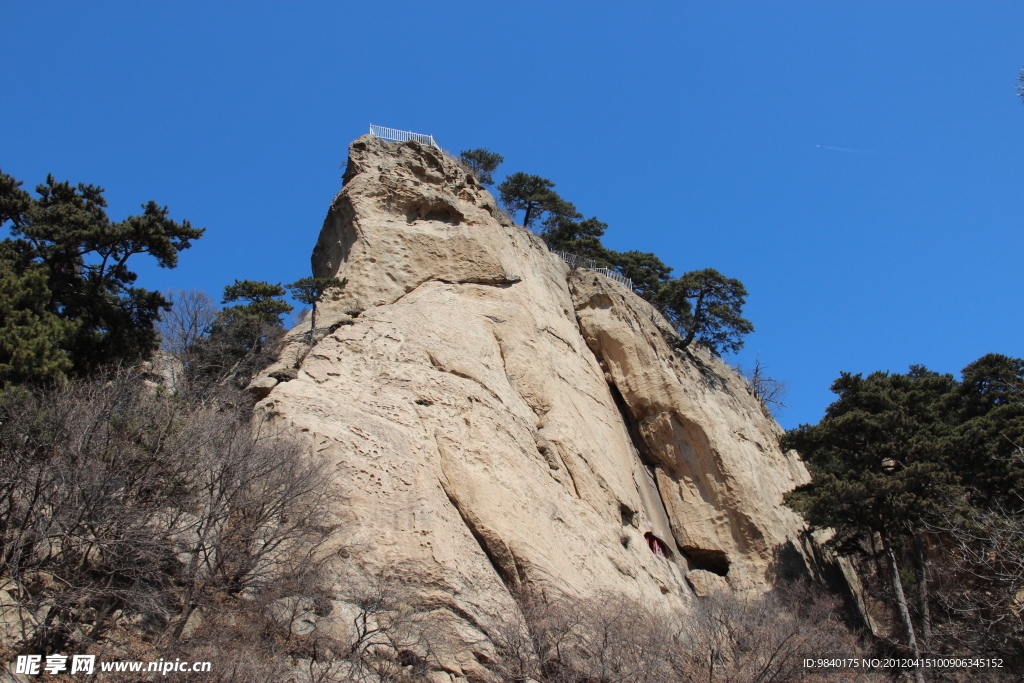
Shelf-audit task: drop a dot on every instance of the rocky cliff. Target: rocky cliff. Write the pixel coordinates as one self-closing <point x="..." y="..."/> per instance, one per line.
<point x="493" y="418"/>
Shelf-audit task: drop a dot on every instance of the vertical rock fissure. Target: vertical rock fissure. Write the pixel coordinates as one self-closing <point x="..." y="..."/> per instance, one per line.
<point x="631" y="427"/>
<point x="715" y="561"/>
<point x="568" y="471"/>
<point x="502" y="573"/>
<point x="647" y="459"/>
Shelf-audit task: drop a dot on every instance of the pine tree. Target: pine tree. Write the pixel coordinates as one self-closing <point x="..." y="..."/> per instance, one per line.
<point x="705" y="306"/>
<point x="482" y="163"/>
<point x="309" y="290"/>
<point x="533" y="195"/>
<point x="989" y="408"/>
<point x="263" y="301"/>
<point x="83" y="256"/>
<point x="563" y="231"/>
<point x="648" y="273"/>
<point x="28" y="331"/>
<point x="880" y="466"/>
<point x="243" y="337"/>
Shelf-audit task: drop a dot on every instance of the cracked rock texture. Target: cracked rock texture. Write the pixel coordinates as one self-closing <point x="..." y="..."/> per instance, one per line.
<point x="493" y="418"/>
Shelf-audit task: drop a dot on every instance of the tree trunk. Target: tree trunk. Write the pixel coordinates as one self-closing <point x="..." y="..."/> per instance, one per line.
<point x="922" y="586"/>
<point x="698" y="310"/>
<point x="901" y="602"/>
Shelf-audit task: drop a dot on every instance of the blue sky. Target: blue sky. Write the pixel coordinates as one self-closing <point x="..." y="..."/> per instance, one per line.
<point x="713" y="134"/>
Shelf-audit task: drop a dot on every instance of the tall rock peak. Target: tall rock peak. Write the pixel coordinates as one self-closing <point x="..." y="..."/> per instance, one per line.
<point x="494" y="419"/>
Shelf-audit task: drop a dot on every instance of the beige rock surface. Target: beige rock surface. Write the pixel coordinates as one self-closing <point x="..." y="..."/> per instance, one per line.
<point x="493" y="419"/>
<point x="705" y="583"/>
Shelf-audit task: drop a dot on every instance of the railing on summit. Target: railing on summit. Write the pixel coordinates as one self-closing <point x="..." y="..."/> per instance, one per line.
<point x="579" y="262"/>
<point x="385" y="133"/>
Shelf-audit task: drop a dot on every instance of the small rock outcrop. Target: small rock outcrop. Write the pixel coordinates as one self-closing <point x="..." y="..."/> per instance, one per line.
<point x="494" y="419"/>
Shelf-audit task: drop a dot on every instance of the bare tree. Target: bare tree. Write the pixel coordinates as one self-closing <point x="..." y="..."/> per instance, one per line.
<point x="392" y="636"/>
<point x="768" y="391"/>
<point x="978" y="589"/>
<point x="120" y="503"/>
<point x="192" y="312"/>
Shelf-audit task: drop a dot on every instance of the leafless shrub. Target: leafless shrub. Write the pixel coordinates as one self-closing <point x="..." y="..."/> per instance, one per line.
<point x="735" y="639"/>
<point x="392" y="636"/>
<point x="977" y="587"/>
<point x="540" y="640"/>
<point x="135" y="524"/>
<point x="725" y="638"/>
<point x="124" y="507"/>
<point x="278" y="636"/>
<point x="622" y="642"/>
<point x="768" y="391"/>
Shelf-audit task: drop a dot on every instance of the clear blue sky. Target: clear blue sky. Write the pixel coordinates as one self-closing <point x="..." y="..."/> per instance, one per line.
<point x="716" y="134"/>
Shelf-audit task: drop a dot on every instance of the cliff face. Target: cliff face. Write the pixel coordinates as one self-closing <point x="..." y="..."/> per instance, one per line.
<point x="494" y="419"/>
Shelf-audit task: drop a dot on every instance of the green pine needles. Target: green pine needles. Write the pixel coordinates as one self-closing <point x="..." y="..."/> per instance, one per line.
<point x="309" y="290"/>
<point x="482" y="163"/>
<point x="68" y="300"/>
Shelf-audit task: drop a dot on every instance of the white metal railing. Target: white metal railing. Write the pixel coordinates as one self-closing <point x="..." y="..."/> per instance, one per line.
<point x="385" y="133"/>
<point x="577" y="261"/>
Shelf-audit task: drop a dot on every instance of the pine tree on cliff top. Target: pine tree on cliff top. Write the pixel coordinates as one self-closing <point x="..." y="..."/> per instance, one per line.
<point x="706" y="307"/>
<point x="532" y="195"/>
<point x="309" y="290"/>
<point x="482" y="163"/>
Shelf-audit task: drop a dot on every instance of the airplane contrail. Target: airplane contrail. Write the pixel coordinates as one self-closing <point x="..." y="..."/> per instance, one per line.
<point x="846" y="149"/>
